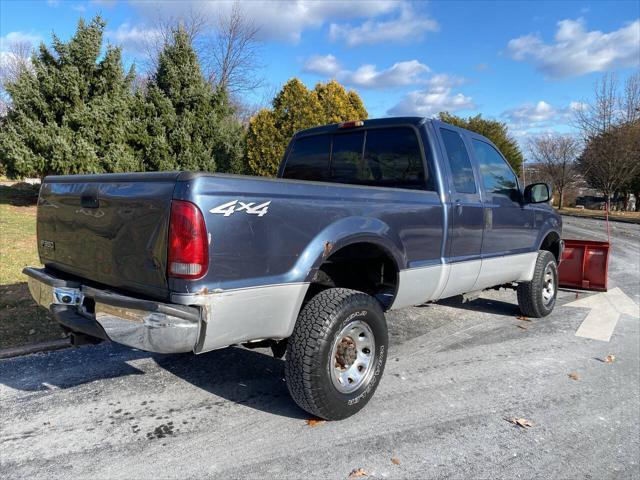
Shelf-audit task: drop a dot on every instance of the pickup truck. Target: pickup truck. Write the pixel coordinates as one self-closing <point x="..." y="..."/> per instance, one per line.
<point x="364" y="217"/>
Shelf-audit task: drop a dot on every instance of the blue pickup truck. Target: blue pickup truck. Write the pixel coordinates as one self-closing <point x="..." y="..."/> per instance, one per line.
<point x="364" y="217"/>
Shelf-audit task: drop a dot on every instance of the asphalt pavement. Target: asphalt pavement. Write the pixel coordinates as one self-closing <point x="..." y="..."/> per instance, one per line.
<point x="456" y="374"/>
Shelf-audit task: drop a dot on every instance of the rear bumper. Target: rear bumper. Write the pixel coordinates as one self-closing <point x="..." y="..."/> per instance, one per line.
<point x="142" y="324"/>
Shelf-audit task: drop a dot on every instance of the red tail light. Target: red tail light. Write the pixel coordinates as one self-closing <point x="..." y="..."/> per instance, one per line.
<point x="188" y="255"/>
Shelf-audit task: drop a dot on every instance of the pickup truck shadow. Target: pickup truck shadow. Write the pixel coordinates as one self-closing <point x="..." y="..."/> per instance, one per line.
<point x="238" y="375"/>
<point x="485" y="305"/>
<point x="69" y="368"/>
<point x="234" y="374"/>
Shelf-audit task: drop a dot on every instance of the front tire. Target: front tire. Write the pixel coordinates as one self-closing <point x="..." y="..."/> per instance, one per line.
<point x="538" y="297"/>
<point x="337" y="353"/>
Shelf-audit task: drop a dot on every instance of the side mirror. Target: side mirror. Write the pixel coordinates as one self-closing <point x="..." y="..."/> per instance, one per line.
<point x="537" y="193"/>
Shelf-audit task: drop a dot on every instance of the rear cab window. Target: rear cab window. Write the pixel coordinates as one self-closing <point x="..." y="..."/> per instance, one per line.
<point x="379" y="157"/>
<point x="309" y="159"/>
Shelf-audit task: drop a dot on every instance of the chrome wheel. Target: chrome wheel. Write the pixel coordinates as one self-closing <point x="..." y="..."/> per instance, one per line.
<point x="549" y="285"/>
<point x="351" y="361"/>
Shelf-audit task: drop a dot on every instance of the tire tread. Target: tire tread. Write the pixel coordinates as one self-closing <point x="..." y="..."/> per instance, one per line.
<point x="310" y="335"/>
<point x="530" y="293"/>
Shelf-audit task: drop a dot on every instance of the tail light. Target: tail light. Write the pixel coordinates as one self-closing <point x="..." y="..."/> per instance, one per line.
<point x="188" y="255"/>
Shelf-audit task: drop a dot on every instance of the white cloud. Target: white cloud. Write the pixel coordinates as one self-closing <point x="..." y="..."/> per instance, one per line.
<point x="53" y="3"/>
<point x="437" y="97"/>
<point x="285" y="20"/>
<point x="399" y="74"/>
<point x="444" y="80"/>
<point x="532" y="119"/>
<point x="133" y="38"/>
<point x="407" y="26"/>
<point x="531" y="113"/>
<point x="577" y="51"/>
<point x="14" y="38"/>
<point x="368" y="76"/>
<point x="322" y="65"/>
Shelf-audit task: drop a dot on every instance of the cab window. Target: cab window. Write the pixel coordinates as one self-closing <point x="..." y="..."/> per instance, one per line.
<point x="379" y="157"/>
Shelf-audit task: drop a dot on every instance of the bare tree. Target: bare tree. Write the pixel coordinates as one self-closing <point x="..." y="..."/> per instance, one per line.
<point x="611" y="160"/>
<point x="234" y="52"/>
<point x="194" y="22"/>
<point x="630" y="100"/>
<point x="599" y="115"/>
<point x="556" y="155"/>
<point x="610" y="126"/>
<point x="227" y="45"/>
<point x="15" y="60"/>
<point x="12" y="63"/>
<point x="610" y="106"/>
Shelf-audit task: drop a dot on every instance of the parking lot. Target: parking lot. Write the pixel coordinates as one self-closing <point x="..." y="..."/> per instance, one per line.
<point x="456" y="374"/>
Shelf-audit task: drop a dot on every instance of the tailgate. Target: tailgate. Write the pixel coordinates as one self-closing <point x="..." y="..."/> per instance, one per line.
<point x="110" y="229"/>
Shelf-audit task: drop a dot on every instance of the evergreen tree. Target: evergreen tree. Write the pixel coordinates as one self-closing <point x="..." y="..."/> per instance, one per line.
<point x="338" y="105"/>
<point x="188" y="125"/>
<point x="495" y="131"/>
<point x="70" y="112"/>
<point x="295" y="108"/>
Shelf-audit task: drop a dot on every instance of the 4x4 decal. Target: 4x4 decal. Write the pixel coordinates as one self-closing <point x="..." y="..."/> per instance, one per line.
<point x="234" y="206"/>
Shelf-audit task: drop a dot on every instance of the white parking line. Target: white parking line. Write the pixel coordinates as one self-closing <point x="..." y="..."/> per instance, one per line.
<point x="606" y="309"/>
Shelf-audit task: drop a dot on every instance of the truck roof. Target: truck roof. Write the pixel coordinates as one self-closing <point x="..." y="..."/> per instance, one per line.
<point x="374" y="122"/>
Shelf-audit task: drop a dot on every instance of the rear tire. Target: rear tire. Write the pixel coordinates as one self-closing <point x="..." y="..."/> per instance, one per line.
<point x="337" y="353"/>
<point x="538" y="297"/>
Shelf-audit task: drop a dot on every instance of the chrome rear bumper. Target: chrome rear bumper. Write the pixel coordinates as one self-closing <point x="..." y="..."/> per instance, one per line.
<point x="143" y="324"/>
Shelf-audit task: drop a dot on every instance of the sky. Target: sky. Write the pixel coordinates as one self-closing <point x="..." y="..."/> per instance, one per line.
<point x="529" y="64"/>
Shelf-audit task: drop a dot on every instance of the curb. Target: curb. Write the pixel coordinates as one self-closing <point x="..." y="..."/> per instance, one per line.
<point x="603" y="218"/>
<point x="35" y="348"/>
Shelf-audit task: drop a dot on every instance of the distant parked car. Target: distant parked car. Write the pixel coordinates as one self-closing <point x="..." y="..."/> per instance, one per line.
<point x="591" y="202"/>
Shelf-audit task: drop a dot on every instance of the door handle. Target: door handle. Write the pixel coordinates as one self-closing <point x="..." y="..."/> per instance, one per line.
<point x="458" y="207"/>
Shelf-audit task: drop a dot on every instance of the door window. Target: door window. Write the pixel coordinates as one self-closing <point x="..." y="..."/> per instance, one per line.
<point x="497" y="176"/>
<point x="459" y="162"/>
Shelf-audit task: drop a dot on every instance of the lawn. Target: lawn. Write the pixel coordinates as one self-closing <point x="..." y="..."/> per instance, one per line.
<point x="633" y="217"/>
<point x="22" y="322"/>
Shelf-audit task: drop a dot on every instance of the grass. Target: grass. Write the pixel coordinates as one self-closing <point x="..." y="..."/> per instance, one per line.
<point x="22" y="321"/>
<point x="633" y="217"/>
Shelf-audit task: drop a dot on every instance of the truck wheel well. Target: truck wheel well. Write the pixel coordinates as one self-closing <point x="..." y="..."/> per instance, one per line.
<point x="365" y="267"/>
<point x="551" y="243"/>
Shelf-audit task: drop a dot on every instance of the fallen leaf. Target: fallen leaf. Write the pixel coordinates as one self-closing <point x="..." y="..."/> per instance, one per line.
<point x="523" y="318"/>
<point x="523" y="327"/>
<point x="314" y="422"/>
<point x="609" y="358"/>
<point x="573" y="376"/>
<point x="395" y="461"/>
<point x="521" y="422"/>
<point x="357" y="473"/>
